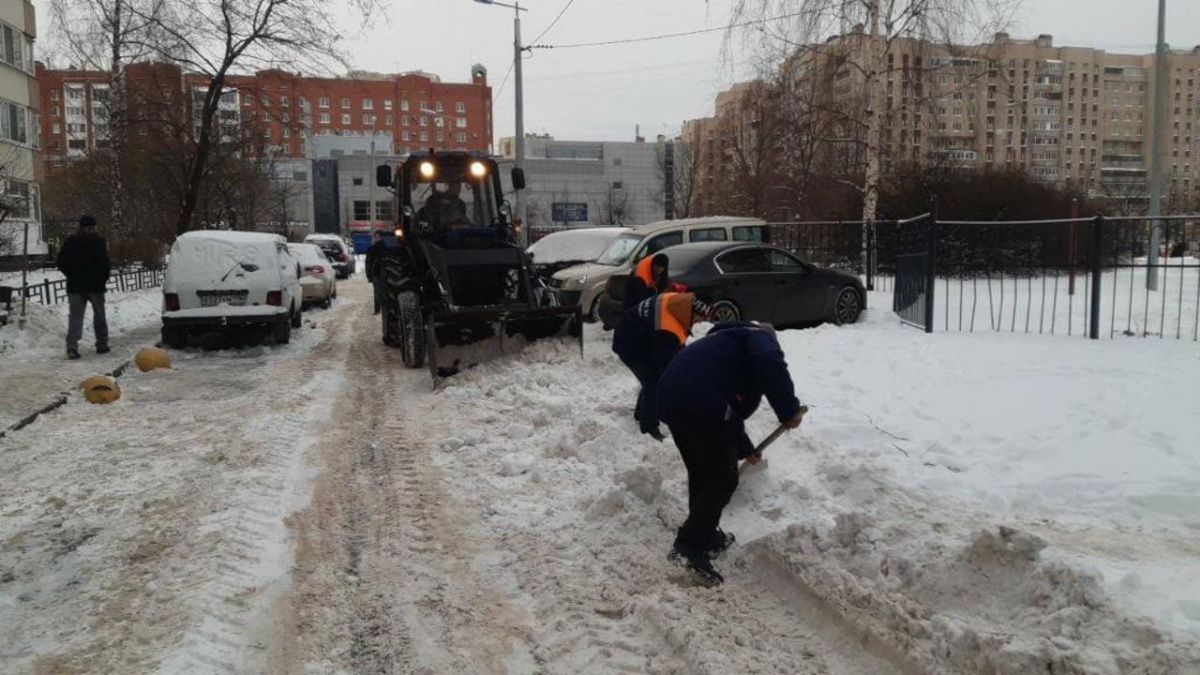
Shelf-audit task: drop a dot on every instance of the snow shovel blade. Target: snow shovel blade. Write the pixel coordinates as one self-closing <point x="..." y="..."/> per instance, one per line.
<point x="462" y="338"/>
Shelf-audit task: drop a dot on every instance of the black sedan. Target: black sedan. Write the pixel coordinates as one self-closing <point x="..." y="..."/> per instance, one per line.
<point x="755" y="282"/>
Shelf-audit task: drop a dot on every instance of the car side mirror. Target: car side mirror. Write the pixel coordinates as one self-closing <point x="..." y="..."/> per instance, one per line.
<point x="518" y="178"/>
<point x="383" y="176"/>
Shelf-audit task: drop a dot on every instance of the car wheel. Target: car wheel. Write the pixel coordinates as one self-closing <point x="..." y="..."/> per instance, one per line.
<point x="412" y="329"/>
<point x="593" y="314"/>
<point x="174" y="337"/>
<point x="297" y="318"/>
<point x="725" y="312"/>
<point x="847" y="306"/>
<point x="282" y="332"/>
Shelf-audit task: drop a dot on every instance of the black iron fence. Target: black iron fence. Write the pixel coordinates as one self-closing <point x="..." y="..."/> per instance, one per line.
<point x="1075" y="277"/>
<point x="54" y="291"/>
<point x="868" y="251"/>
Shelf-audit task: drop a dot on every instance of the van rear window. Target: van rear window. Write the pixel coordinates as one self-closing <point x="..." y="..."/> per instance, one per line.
<point x="708" y="234"/>
<point x="750" y="233"/>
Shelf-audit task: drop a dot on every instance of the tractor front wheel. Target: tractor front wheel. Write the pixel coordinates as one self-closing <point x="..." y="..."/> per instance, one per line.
<point x="412" y="329"/>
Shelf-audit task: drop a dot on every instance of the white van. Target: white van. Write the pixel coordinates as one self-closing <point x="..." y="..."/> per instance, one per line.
<point x="218" y="279"/>
<point x="583" y="285"/>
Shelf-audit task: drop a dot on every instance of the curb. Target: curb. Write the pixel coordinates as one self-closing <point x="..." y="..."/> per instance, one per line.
<point x="57" y="403"/>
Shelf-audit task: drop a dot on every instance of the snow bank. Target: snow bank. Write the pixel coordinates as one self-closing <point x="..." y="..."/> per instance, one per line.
<point x="975" y="503"/>
<point x="46" y="329"/>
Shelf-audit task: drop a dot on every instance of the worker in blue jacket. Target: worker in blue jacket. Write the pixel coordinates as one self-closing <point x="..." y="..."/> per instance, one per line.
<point x="648" y="337"/>
<point x="705" y="395"/>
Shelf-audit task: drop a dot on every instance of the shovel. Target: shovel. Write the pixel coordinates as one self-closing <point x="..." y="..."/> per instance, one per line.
<point x="779" y="431"/>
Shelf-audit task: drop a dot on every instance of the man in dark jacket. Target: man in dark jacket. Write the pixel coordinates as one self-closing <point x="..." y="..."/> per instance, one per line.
<point x="650" y="335"/>
<point x="83" y="260"/>
<point x="375" y="268"/>
<point x="649" y="278"/>
<point x="705" y="395"/>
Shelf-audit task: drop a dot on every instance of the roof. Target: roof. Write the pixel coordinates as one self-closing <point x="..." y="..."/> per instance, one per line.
<point x="233" y="236"/>
<point x="686" y="222"/>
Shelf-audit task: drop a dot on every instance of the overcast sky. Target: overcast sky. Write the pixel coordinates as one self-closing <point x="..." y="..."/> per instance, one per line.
<point x="602" y="93"/>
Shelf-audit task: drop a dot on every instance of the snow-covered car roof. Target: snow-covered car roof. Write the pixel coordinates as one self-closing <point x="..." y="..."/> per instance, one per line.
<point x="584" y="244"/>
<point x="307" y="251"/>
<point x="233" y="237"/>
<point x="324" y="237"/>
<point x="708" y="220"/>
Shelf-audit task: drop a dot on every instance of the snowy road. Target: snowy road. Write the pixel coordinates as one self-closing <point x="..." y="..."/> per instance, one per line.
<point x="318" y="508"/>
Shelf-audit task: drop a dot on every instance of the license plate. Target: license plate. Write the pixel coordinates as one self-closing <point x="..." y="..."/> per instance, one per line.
<point x="214" y="299"/>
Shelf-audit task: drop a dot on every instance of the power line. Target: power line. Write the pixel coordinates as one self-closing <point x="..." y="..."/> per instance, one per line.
<point x="554" y="22"/>
<point x="666" y="36"/>
<point x="506" y="76"/>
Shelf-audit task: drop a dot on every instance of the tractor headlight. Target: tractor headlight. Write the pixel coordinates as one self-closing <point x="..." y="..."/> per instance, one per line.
<point x="428" y="170"/>
<point x="478" y="169"/>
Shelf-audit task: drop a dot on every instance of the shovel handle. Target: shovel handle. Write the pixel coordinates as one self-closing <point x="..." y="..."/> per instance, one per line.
<point x="779" y="431"/>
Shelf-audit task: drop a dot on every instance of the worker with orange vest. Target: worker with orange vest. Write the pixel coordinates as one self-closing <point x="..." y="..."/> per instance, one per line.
<point x="650" y="335"/>
<point x="649" y="278"/>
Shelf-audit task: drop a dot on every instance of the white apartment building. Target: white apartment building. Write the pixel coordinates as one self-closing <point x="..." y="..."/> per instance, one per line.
<point x="20" y="171"/>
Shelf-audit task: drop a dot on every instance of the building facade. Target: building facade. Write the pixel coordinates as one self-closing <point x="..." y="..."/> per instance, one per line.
<point x="281" y="111"/>
<point x="1070" y="116"/>
<point x="20" y="165"/>
<point x="580" y="183"/>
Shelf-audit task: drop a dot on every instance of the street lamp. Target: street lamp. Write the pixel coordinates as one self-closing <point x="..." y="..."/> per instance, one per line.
<point x="520" y="108"/>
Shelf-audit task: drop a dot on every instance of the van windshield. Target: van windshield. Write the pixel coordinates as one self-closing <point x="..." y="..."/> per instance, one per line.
<point x="619" y="250"/>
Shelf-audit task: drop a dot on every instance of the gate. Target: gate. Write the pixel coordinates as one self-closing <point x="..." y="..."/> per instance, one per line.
<point x="916" y="251"/>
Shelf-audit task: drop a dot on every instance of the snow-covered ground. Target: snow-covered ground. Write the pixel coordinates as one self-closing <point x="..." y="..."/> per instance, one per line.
<point x="954" y="503"/>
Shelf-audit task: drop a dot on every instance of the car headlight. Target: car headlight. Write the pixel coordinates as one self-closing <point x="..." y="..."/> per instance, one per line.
<point x="581" y="281"/>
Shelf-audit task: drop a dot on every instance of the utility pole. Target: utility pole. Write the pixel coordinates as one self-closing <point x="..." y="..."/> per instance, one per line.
<point x="1156" y="148"/>
<point x="519" y="162"/>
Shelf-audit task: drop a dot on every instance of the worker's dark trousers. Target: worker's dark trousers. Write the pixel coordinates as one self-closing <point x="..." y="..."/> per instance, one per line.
<point x="708" y="453"/>
<point x="646" y="411"/>
<point x="378" y="289"/>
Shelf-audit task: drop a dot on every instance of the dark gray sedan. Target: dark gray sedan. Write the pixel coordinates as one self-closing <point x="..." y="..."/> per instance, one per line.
<point x="756" y="282"/>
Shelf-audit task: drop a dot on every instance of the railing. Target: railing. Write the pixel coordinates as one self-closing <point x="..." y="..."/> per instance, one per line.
<point x="1078" y="277"/>
<point x="53" y="292"/>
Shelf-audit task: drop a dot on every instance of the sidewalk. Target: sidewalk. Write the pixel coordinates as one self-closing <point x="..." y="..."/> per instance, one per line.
<point x="34" y="369"/>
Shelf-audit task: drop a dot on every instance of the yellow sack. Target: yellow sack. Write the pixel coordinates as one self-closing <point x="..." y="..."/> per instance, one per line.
<point x="152" y="358"/>
<point x="100" y="389"/>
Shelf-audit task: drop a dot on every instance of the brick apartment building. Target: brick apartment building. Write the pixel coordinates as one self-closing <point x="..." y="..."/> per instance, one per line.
<point x="1067" y="115"/>
<point x="280" y="110"/>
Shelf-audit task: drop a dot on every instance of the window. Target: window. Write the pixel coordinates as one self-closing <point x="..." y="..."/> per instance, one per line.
<point x="357" y="180"/>
<point x="346" y="119"/>
<point x="387" y="120"/>
<point x="345" y="102"/>
<point x="54" y="95"/>
<point x="424" y="136"/>
<point x="57" y="128"/>
<point x="404" y="105"/>
<point x="387" y="104"/>
<point x="785" y="262"/>
<point x="324" y="118"/>
<point x="750" y="233"/>
<point x="424" y="121"/>
<point x="16" y="49"/>
<point x="441" y="136"/>
<point x="460" y="137"/>
<point x="383" y="210"/>
<point x="323" y="102"/>
<point x="439" y="107"/>
<point x="77" y="144"/>
<point x="15" y="122"/>
<point x="461" y="122"/>
<point x="287" y="133"/>
<point x="618" y="185"/>
<point x="406" y="136"/>
<point x="662" y="241"/>
<point x="19" y="197"/>
<point x="362" y="209"/>
<point x="744" y="261"/>
<point x="460" y="107"/>
<point x="368" y="104"/>
<point x="369" y="120"/>
<point x="283" y="101"/>
<point x="406" y="121"/>
<point x="708" y="234"/>
<point x="55" y="112"/>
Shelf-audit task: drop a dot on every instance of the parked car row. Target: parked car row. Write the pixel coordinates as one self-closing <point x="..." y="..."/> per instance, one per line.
<point x="242" y="285"/>
<point x="727" y="262"/>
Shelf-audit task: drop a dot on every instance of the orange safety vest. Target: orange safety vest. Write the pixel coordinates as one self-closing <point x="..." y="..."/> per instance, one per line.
<point x="673" y="314"/>
<point x="645" y="271"/>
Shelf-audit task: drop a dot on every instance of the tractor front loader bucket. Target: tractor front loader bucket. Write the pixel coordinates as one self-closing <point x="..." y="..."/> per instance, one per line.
<point x="461" y="338"/>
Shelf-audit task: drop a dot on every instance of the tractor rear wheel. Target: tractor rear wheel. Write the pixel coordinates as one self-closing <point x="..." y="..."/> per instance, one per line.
<point x="412" y="329"/>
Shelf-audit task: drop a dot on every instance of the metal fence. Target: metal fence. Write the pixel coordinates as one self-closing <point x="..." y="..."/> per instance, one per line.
<point x="53" y="292"/>
<point x="847" y="245"/>
<point x="1076" y="277"/>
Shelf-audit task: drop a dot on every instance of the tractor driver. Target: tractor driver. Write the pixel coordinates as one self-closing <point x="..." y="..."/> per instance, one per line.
<point x="444" y="210"/>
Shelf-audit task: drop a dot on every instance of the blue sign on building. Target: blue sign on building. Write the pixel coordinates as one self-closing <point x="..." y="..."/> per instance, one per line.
<point x="569" y="212"/>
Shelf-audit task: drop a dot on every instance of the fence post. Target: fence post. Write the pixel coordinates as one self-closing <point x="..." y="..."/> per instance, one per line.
<point x="1071" y="237"/>
<point x="1095" y="262"/>
<point x="871" y="252"/>
<point x="46" y="292"/>
<point x="931" y="234"/>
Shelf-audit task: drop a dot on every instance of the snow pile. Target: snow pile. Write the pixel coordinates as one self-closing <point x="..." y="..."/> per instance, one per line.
<point x="973" y="503"/>
<point x="46" y="327"/>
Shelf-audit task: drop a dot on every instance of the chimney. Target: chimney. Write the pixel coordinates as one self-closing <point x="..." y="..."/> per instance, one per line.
<point x="1044" y="40"/>
<point x="1000" y="37"/>
<point x="637" y="134"/>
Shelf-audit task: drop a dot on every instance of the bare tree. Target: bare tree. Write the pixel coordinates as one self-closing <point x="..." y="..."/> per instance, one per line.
<point x="220" y="37"/>
<point x="109" y="35"/>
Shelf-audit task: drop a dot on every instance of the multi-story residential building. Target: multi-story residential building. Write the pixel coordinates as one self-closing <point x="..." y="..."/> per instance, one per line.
<point x="715" y="143"/>
<point x="281" y="111"/>
<point x="20" y="166"/>
<point x="577" y="183"/>
<point x="1071" y="116"/>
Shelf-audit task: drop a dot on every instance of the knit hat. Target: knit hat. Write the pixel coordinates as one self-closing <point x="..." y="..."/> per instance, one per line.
<point x="86" y="220"/>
